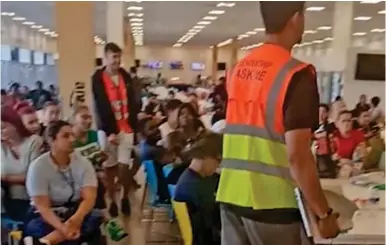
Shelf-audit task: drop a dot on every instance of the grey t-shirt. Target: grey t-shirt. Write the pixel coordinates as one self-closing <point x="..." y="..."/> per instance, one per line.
<point x="46" y="179"/>
<point x="29" y="150"/>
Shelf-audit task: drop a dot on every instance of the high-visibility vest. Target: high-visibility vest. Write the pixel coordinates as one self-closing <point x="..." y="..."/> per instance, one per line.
<point x="255" y="170"/>
<point x="117" y="96"/>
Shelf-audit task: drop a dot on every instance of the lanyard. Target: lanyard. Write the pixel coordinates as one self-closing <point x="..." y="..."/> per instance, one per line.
<point x="69" y="180"/>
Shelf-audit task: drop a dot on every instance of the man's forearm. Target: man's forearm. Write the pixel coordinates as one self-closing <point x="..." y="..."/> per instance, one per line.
<point x="84" y="208"/>
<point x="304" y="172"/>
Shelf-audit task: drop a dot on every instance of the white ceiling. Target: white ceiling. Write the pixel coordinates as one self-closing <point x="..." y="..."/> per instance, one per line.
<point x="164" y="23"/>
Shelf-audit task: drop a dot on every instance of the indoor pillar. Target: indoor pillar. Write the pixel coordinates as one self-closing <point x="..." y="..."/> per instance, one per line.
<point x="234" y="49"/>
<point x="214" y="63"/>
<point x="341" y="33"/>
<point x="75" y="44"/>
<point x="128" y="56"/>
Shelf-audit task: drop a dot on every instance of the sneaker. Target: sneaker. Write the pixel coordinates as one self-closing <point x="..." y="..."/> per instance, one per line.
<point x="115" y="231"/>
<point x="113" y="210"/>
<point x="125" y="207"/>
<point x="32" y="241"/>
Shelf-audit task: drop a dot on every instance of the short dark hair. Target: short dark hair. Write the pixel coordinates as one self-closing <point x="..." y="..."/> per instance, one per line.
<point x="49" y="103"/>
<point x="375" y="101"/>
<point x="345" y="112"/>
<point x="112" y="47"/>
<point x="276" y="14"/>
<point x="338" y="98"/>
<point x="325" y="106"/>
<point x="3" y="92"/>
<point x="54" y="128"/>
<point x="173" y="104"/>
<point x="210" y="145"/>
<point x="133" y="69"/>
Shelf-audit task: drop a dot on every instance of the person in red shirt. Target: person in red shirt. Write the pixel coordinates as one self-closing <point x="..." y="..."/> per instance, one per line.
<point x="350" y="142"/>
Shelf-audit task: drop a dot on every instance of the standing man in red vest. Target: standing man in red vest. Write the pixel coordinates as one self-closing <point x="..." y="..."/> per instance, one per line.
<point x="116" y="108"/>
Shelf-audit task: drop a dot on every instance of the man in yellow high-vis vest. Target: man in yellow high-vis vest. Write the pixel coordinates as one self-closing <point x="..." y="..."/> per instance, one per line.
<point x="271" y="112"/>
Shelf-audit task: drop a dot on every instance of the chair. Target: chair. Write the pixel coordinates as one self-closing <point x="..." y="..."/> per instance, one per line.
<point x="184" y="223"/>
<point x="152" y="186"/>
<point x="15" y="230"/>
<point x="167" y="169"/>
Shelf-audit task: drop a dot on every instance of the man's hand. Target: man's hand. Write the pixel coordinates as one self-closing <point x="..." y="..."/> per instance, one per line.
<point x="113" y="139"/>
<point x="328" y="227"/>
<point x="70" y="233"/>
<point x="72" y="227"/>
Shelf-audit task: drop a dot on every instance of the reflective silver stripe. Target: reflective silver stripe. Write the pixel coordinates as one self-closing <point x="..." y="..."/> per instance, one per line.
<point x="258" y="167"/>
<point x="253" y="131"/>
<point x="274" y="93"/>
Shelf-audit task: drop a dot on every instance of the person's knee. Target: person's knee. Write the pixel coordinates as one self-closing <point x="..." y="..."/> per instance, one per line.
<point x="36" y="228"/>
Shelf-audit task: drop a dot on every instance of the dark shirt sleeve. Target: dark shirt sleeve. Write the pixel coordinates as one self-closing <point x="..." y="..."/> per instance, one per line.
<point x="301" y="104"/>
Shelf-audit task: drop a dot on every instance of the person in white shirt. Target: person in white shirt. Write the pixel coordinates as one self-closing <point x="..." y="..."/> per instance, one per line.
<point x="171" y="123"/>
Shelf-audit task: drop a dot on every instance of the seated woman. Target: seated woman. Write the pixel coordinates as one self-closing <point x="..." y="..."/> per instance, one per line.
<point x="29" y="117"/>
<point x="364" y="123"/>
<point x="62" y="185"/>
<point x="349" y="142"/>
<point x="197" y="187"/>
<point x="18" y="149"/>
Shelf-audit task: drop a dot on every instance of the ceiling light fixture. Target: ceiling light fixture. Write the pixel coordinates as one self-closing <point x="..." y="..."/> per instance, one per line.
<point x="136" y="28"/>
<point x="243" y="36"/>
<point x="135" y="8"/>
<point x="18" y="18"/>
<point x="177" y="45"/>
<point x="217" y="12"/>
<point x="198" y="27"/>
<point x="204" y="23"/>
<point x="309" y="32"/>
<point x="210" y="18"/>
<point x="28" y="23"/>
<point x="36" y="27"/>
<point x="226" y="42"/>
<point x="259" y="29"/>
<point x="370" y="2"/>
<point x="328" y="39"/>
<point x="324" y="28"/>
<point x="382" y="12"/>
<point x="378" y="30"/>
<point x="136" y="24"/>
<point x="315" y="8"/>
<point x="359" y="34"/>
<point x="7" y="13"/>
<point x="135" y="15"/>
<point x="317" y="41"/>
<point x="229" y="5"/>
<point x="44" y="30"/>
<point x="251" y="33"/>
<point x="136" y="20"/>
<point x="363" y="18"/>
<point x="54" y="35"/>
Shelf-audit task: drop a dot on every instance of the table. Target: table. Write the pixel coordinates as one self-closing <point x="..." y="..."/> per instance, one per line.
<point x="368" y="221"/>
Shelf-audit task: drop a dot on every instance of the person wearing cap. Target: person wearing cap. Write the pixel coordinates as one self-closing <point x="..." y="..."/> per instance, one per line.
<point x="197" y="187"/>
<point x="271" y="113"/>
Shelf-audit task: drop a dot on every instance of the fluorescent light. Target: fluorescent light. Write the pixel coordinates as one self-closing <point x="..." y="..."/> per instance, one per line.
<point x="174" y="78"/>
<point x="209" y="18"/>
<point x="135" y="8"/>
<point x="309" y="32"/>
<point x="242" y="36"/>
<point x="7" y="13"/>
<point x="226" y="42"/>
<point x="229" y="5"/>
<point x="217" y="12"/>
<point x="317" y="41"/>
<point x="54" y="35"/>
<point x="259" y="29"/>
<point x="136" y="20"/>
<point x="251" y="33"/>
<point x="328" y="39"/>
<point x="36" y="27"/>
<point x="315" y="8"/>
<point x="44" y="30"/>
<point x="136" y="28"/>
<point x="204" y="23"/>
<point x="135" y="15"/>
<point x="359" y="34"/>
<point x="28" y="23"/>
<point x="305" y="43"/>
<point x="177" y="45"/>
<point x="364" y="18"/>
<point x="370" y="2"/>
<point x="137" y="24"/>
<point x="324" y="28"/>
<point x="377" y="30"/>
<point x="130" y="1"/>
<point x="194" y="30"/>
<point x="382" y="12"/>
<point x="198" y="27"/>
<point x="18" y="18"/>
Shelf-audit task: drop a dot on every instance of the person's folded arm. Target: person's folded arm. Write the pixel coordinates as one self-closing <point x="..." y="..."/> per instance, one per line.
<point x="43" y="205"/>
<point x="300" y="115"/>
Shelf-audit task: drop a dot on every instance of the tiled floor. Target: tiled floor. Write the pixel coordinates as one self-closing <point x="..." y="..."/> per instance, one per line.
<point x="139" y="231"/>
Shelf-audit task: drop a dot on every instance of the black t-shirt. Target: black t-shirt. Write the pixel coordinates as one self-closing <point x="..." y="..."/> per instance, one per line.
<point x="300" y="111"/>
<point x="39" y="97"/>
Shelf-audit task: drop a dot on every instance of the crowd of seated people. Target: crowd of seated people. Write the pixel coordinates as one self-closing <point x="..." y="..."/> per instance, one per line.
<point x="348" y="142"/>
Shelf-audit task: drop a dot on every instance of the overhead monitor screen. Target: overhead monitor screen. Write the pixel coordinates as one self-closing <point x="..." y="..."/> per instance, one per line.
<point x="50" y="59"/>
<point x="5" y="52"/>
<point x="38" y="58"/>
<point x="370" y="67"/>
<point x="176" y="65"/>
<point x="25" y="56"/>
<point x="221" y="66"/>
<point x="154" y="64"/>
<point x="197" y="66"/>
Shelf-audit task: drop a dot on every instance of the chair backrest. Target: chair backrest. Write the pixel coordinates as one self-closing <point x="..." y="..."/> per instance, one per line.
<point x="182" y="214"/>
<point x="172" y="190"/>
<point x="167" y="169"/>
<point x="151" y="179"/>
